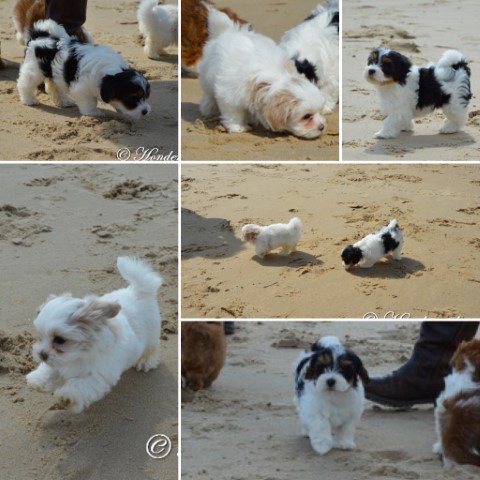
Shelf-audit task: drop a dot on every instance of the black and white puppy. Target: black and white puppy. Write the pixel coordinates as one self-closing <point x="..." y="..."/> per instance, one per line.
<point x="85" y="73"/>
<point x="369" y="250"/>
<point x="407" y="91"/>
<point x="329" y="394"/>
<point x="314" y="46"/>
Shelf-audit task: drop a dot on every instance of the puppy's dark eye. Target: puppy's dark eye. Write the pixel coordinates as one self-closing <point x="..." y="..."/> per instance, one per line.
<point x="308" y="116"/>
<point x="59" y="340"/>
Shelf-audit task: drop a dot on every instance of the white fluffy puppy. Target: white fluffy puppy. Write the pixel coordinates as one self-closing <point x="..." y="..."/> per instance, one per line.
<point x="159" y="26"/>
<point x="249" y="79"/>
<point x="265" y="239"/>
<point x="329" y="394"/>
<point x="86" y="343"/>
<point x="314" y="46"/>
<point x="369" y="250"/>
<point x="407" y="91"/>
<point x="85" y="73"/>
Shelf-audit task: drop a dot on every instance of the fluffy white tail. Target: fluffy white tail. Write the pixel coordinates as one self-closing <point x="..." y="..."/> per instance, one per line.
<point x="451" y="62"/>
<point x="393" y="224"/>
<point x="218" y="22"/>
<point x="139" y="275"/>
<point x="296" y="223"/>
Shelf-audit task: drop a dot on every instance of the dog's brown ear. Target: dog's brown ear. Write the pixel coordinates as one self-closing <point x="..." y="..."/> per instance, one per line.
<point x="95" y="313"/>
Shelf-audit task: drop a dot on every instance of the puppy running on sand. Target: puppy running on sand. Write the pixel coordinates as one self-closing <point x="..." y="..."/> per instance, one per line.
<point x="265" y="239"/>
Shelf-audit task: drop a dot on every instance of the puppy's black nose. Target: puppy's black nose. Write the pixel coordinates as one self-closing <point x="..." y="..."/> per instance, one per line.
<point x="144" y="111"/>
<point x="371" y="71"/>
<point x="331" y="382"/>
<point x="321" y="127"/>
<point x="44" y="356"/>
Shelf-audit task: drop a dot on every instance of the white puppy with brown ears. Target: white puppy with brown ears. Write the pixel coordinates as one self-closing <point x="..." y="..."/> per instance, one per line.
<point x="248" y="79"/>
<point x="265" y="239"/>
<point x="87" y="343"/>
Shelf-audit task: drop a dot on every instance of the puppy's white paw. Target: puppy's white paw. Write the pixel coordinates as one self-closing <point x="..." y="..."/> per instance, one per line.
<point x="39" y="381"/>
<point x="449" y="128"/>
<point x="437" y="448"/>
<point x="238" y="128"/>
<point x="385" y="134"/>
<point x="321" y="446"/>
<point x="30" y="101"/>
<point x="75" y="401"/>
<point x="150" y="359"/>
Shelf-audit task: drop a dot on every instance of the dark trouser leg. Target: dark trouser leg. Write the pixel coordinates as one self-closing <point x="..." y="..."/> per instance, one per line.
<point x="69" y="13"/>
<point x="420" y="380"/>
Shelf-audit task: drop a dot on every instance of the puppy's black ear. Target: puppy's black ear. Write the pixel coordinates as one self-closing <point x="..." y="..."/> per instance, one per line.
<point x="400" y="66"/>
<point x="359" y="368"/>
<point x="107" y="88"/>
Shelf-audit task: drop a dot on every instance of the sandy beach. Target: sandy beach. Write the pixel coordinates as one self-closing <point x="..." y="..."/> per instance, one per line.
<point x="61" y="229"/>
<point x="422" y="32"/>
<point x="45" y="132"/>
<point x="436" y="206"/>
<point x="208" y="140"/>
<point x="245" y="425"/>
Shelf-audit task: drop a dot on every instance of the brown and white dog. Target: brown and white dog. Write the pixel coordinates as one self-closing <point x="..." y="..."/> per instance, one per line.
<point x="27" y="12"/>
<point x="457" y="414"/>
<point x="204" y="350"/>
<point x="196" y="15"/>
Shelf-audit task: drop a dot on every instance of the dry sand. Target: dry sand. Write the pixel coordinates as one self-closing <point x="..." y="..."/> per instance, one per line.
<point x="437" y="207"/>
<point x="46" y="132"/>
<point x="245" y="425"/>
<point x="422" y="31"/>
<point x="61" y="229"/>
<point x="208" y="140"/>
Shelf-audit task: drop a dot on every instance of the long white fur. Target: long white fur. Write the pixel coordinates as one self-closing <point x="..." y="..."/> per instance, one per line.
<point x="268" y="238"/>
<point x="329" y="418"/>
<point x="235" y="64"/>
<point x="398" y="102"/>
<point x="159" y="26"/>
<point x="372" y="246"/>
<point x="317" y="41"/>
<point x="131" y="337"/>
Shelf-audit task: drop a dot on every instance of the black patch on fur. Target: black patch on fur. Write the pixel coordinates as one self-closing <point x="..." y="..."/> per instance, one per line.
<point x="389" y="243"/>
<point x="351" y="255"/>
<point x="306" y="68"/>
<point x="299" y="381"/>
<point x="42" y="34"/>
<point x="467" y="95"/>
<point x="45" y="56"/>
<point x="397" y="69"/>
<point x="335" y="20"/>
<point x="70" y="67"/>
<point x="121" y="87"/>
<point x="430" y="93"/>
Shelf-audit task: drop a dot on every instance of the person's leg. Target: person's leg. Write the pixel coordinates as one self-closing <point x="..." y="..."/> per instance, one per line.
<point x="69" y="13"/>
<point x="420" y="380"/>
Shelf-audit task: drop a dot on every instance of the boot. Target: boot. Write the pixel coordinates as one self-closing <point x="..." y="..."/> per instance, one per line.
<point x="420" y="380"/>
<point x="71" y="14"/>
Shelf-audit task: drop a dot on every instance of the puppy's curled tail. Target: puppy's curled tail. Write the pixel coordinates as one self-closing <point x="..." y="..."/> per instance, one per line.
<point x="219" y="22"/>
<point x="139" y="275"/>
<point x="296" y="224"/>
<point x="49" y="27"/>
<point x="451" y="62"/>
<point x="250" y="232"/>
<point x="393" y="224"/>
<point x="144" y="12"/>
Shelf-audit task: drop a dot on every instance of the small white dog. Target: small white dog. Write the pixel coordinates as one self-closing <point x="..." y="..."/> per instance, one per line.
<point x="369" y="250"/>
<point x="329" y="394"/>
<point x="457" y="411"/>
<point x="314" y="46"/>
<point x="265" y="239"/>
<point x="86" y="343"/>
<point x="407" y="91"/>
<point x="82" y="72"/>
<point x="159" y="26"/>
<point x="249" y="79"/>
